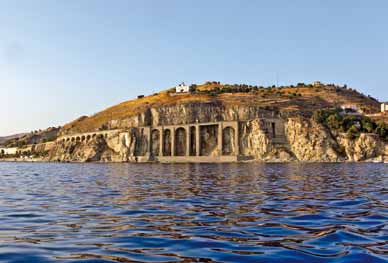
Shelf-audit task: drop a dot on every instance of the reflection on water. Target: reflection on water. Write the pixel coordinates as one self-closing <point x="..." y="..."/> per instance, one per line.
<point x="193" y="213"/>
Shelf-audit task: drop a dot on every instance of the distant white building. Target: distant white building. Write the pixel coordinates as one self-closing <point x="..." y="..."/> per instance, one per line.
<point x="8" y="151"/>
<point x="182" y="88"/>
<point x="384" y="107"/>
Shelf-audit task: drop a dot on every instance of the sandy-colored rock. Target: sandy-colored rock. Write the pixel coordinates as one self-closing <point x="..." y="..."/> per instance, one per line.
<point x="363" y="148"/>
<point x="312" y="142"/>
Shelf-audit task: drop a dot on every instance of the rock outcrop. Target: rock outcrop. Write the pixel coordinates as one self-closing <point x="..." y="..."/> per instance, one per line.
<point x="299" y="139"/>
<point x="312" y="142"/>
<point x="366" y="147"/>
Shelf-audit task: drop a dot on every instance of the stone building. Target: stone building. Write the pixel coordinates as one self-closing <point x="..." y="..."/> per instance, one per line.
<point x="182" y="88"/>
<point x="317" y="84"/>
<point x="384" y="107"/>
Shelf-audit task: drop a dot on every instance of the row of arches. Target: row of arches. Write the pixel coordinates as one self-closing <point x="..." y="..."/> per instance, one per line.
<point x="184" y="142"/>
<point x="84" y="138"/>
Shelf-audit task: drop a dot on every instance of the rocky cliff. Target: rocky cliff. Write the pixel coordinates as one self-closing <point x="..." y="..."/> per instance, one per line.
<point x="274" y="124"/>
<point x="304" y="140"/>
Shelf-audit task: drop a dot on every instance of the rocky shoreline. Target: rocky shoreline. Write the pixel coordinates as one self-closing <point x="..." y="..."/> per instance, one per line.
<point x="303" y="140"/>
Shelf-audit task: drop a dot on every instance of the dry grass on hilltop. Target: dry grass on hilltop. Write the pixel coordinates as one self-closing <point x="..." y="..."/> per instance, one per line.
<point x="287" y="99"/>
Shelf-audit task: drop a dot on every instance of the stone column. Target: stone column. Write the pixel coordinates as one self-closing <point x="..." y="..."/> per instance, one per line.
<point x="219" y="139"/>
<point x="188" y="136"/>
<point x="161" y="141"/>
<point x="236" y="139"/>
<point x="172" y="141"/>
<point x="149" y="139"/>
<point x="197" y="140"/>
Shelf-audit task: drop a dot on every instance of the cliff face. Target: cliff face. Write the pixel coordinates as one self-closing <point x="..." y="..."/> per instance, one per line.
<point x="256" y="143"/>
<point x="312" y="142"/>
<point x="366" y="147"/>
<point x="303" y="140"/>
<point x="191" y="113"/>
<point x="263" y="135"/>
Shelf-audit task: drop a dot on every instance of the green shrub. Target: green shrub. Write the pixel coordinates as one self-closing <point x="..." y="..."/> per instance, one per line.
<point x="353" y="132"/>
<point x="353" y="126"/>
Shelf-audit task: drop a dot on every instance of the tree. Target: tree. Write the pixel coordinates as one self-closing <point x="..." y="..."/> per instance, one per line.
<point x="334" y="121"/>
<point x="193" y="88"/>
<point x="353" y="132"/>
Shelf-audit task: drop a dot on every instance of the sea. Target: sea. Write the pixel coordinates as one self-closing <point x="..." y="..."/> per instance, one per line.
<point x="52" y="212"/>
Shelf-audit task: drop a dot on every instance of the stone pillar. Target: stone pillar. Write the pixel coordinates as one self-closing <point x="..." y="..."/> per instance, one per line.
<point x="148" y="130"/>
<point x="161" y="141"/>
<point x="197" y="140"/>
<point x="219" y="139"/>
<point x="236" y="139"/>
<point x="172" y="141"/>
<point x="188" y="136"/>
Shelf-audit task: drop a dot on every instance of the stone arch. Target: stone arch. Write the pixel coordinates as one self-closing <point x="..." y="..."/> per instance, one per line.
<point x="72" y="139"/>
<point x="180" y="141"/>
<point x="228" y="141"/>
<point x="83" y="138"/>
<point x="167" y="142"/>
<point x="88" y="138"/>
<point x="78" y="139"/>
<point x="94" y="135"/>
<point x="155" y="142"/>
<point x="208" y="140"/>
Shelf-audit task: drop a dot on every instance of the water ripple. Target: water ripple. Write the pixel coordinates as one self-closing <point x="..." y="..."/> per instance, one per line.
<point x="193" y="213"/>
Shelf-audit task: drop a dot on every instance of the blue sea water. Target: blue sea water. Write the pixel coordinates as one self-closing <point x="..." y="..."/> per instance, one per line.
<point x="193" y="213"/>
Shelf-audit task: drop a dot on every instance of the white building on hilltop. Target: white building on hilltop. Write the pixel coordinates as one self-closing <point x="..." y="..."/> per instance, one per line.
<point x="384" y="107"/>
<point x="182" y="88"/>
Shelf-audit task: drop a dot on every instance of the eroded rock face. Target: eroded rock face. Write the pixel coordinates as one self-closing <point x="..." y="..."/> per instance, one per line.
<point x="191" y="113"/>
<point x="118" y="147"/>
<point x="312" y="142"/>
<point x="257" y="143"/>
<point x="78" y="151"/>
<point x="254" y="141"/>
<point x="304" y="140"/>
<point x="365" y="147"/>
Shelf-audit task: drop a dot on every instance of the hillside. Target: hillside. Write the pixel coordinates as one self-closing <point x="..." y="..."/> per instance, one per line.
<point x="10" y="137"/>
<point x="33" y="137"/>
<point x="293" y="100"/>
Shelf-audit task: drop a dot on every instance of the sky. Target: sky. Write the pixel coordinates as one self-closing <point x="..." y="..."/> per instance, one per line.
<point x="66" y="58"/>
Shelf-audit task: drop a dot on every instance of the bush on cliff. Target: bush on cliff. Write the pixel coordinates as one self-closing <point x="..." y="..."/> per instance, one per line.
<point x="352" y="125"/>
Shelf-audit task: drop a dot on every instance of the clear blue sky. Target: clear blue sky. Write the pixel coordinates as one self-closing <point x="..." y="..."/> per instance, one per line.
<point x="65" y="58"/>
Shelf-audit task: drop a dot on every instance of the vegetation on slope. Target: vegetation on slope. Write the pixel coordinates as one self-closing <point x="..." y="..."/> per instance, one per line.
<point x="352" y="125"/>
<point x="300" y="99"/>
<point x="34" y="137"/>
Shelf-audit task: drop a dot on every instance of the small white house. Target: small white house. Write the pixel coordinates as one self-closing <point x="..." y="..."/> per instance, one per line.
<point x="8" y="151"/>
<point x="182" y="88"/>
<point x="384" y="107"/>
